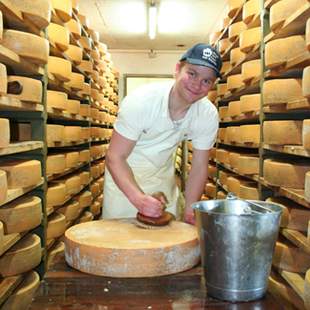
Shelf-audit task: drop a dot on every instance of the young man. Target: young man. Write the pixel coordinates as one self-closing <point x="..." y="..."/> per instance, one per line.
<point x="152" y="121"/>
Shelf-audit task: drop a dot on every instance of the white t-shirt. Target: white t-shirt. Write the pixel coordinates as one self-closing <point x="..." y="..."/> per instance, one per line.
<point x="144" y="117"/>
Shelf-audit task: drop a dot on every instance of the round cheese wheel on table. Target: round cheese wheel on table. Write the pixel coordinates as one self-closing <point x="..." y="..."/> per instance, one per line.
<point x="120" y="248"/>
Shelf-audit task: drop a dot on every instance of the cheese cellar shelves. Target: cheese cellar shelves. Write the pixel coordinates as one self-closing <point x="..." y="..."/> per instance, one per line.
<point x="23" y="57"/>
<point x="262" y="149"/>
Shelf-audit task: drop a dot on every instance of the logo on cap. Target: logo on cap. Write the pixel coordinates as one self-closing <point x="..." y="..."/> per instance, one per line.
<point x="210" y="56"/>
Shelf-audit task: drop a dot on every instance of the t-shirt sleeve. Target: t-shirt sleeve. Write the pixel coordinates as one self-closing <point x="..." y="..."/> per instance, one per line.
<point x="130" y="120"/>
<point x="205" y="130"/>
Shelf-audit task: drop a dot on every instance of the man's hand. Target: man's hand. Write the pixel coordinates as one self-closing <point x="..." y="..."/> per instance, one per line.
<point x="151" y="205"/>
<point x="189" y="216"/>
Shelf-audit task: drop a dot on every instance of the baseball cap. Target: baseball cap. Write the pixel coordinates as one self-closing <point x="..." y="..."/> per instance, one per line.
<point x="204" y="55"/>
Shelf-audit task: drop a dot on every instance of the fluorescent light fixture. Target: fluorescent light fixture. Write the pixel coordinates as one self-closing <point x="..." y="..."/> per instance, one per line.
<point x="152" y="21"/>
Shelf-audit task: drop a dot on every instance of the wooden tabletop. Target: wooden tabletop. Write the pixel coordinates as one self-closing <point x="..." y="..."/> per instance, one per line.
<point x="66" y="288"/>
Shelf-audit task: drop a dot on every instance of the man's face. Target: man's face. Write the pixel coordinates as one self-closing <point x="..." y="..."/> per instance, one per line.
<point x="193" y="82"/>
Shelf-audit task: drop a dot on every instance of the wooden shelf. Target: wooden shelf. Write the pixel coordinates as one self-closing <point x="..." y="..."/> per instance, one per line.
<point x="253" y="177"/>
<point x="295" y="24"/>
<point x="297" y="195"/>
<point x="288" y="149"/>
<point x="12" y="104"/>
<point x="63" y="144"/>
<point x="19" y="147"/>
<point x="58" y="114"/>
<point x="249" y="145"/>
<point x="17" y="192"/>
<point x="242" y="118"/>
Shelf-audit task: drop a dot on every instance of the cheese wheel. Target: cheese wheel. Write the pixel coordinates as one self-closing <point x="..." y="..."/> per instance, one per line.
<point x="224" y="22"/>
<point x="71" y="211"/>
<point x="248" y="191"/>
<point x="213" y="37"/>
<point x="223" y="45"/>
<point x="232" y="134"/>
<point x="102" y="49"/>
<point x="248" y="164"/>
<point x="293" y="216"/>
<point x="74" y="27"/>
<point x="93" y="34"/>
<point x="306" y="82"/>
<point x="307" y="186"/>
<point x="222" y="155"/>
<point x="95" y="171"/>
<point x="72" y="133"/>
<point x="210" y="190"/>
<point x="233" y="108"/>
<point x="59" y="36"/>
<point x="5" y="132"/>
<point x="21" y="215"/>
<point x="306" y="133"/>
<point x="290" y="258"/>
<point x="212" y="171"/>
<point x="27" y="45"/>
<point x="54" y="133"/>
<point x="279" y="91"/>
<point x="85" y="199"/>
<point x="95" y="208"/>
<point x="212" y="95"/>
<point x="85" y="177"/>
<point x="86" y="65"/>
<point x="251" y="70"/>
<point x="85" y="110"/>
<point x="285" y="174"/>
<point x="55" y="253"/>
<point x="63" y="9"/>
<point x="3" y="79"/>
<point x="233" y="6"/>
<point x="56" y="194"/>
<point x="226" y="67"/>
<point x="94" y="189"/>
<point x="75" y="53"/>
<point x="278" y="52"/>
<point x="250" y="10"/>
<point x="306" y="296"/>
<point x="73" y="106"/>
<point x="94" y="54"/>
<point x="123" y="258"/>
<point x="56" y="225"/>
<point x="84" y="20"/>
<point x="59" y="67"/>
<point x="283" y="132"/>
<point x="22" y="296"/>
<point x="234" y="159"/>
<point x="55" y="164"/>
<point x="73" y="184"/>
<point x="56" y="99"/>
<point x="235" y="29"/>
<point x="85" y="217"/>
<point x="3" y="187"/>
<point x="22" y="173"/>
<point x="72" y="159"/>
<point x="85" y="42"/>
<point x="308" y="34"/>
<point x="76" y="81"/>
<point x="86" y="89"/>
<point x="250" y="103"/>
<point x="234" y="82"/>
<point x="85" y="133"/>
<point x="233" y="185"/>
<point x="37" y="11"/>
<point x="21" y="257"/>
<point x="84" y="156"/>
<point x="31" y="89"/>
<point x="250" y="134"/>
<point x="223" y="112"/>
<point x="221" y="89"/>
<point x="281" y="10"/>
<point x="236" y="56"/>
<point x="249" y="39"/>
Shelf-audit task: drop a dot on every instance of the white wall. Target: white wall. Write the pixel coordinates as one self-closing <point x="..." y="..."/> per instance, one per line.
<point x="140" y="62"/>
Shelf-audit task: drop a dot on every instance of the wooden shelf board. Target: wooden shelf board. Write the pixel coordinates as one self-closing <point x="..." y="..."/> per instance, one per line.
<point x="254" y="115"/>
<point x="62" y="144"/>
<point x="249" y="145"/>
<point x="295" y="280"/>
<point x="12" y="104"/>
<point x="253" y="177"/>
<point x="296" y="237"/>
<point x="297" y="195"/>
<point x="58" y="114"/>
<point x="288" y="149"/>
<point x="17" y="192"/>
<point x="18" y="147"/>
<point x="294" y="24"/>
<point x="8" y="285"/>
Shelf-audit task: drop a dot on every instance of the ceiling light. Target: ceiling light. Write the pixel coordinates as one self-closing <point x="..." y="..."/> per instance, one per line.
<point x="152" y="21"/>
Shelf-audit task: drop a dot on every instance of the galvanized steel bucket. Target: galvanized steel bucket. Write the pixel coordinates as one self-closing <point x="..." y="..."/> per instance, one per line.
<point x="237" y="240"/>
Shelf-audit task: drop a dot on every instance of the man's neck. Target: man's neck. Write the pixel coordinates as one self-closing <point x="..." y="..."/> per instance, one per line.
<point x="177" y="106"/>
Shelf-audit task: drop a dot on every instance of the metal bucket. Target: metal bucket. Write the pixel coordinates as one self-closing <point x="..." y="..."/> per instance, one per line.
<point x="237" y="239"/>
